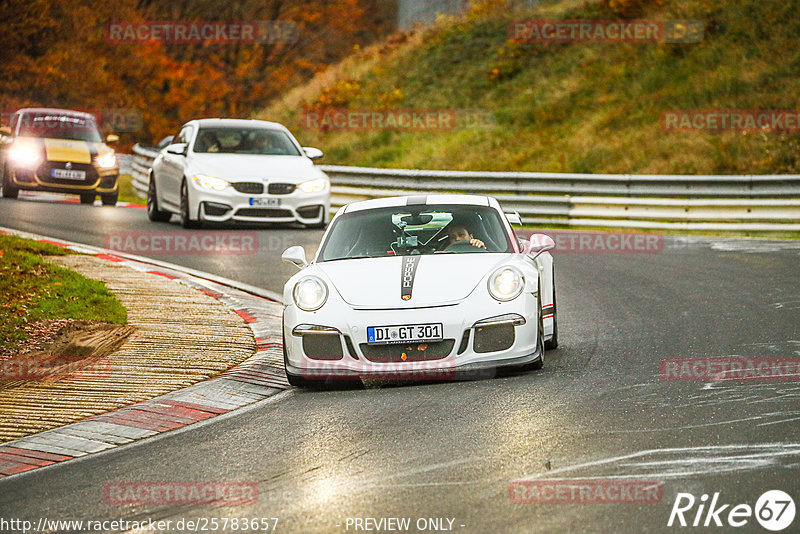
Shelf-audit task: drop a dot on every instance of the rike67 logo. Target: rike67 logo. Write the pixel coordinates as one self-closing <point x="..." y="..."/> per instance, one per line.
<point x="774" y="511"/>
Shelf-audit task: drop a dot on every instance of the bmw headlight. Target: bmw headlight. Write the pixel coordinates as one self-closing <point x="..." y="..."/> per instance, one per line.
<point x="106" y="161"/>
<point x="314" y="186"/>
<point x="25" y="155"/>
<point x="506" y="283"/>
<point x="209" y="182"/>
<point x="310" y="293"/>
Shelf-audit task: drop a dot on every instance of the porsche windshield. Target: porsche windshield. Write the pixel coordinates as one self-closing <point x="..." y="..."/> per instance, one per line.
<point x="258" y="141"/>
<point x="405" y="230"/>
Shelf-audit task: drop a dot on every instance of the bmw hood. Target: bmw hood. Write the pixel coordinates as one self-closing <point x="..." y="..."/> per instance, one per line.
<point x="238" y="167"/>
<point x="409" y="281"/>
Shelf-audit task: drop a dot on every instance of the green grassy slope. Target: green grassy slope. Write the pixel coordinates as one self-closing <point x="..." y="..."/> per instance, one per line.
<point x="579" y="107"/>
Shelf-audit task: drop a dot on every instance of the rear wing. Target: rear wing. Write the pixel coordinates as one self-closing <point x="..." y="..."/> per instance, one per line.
<point x="514" y="218"/>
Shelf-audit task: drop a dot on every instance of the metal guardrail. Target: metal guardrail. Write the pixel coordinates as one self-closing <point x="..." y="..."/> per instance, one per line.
<point x="750" y="203"/>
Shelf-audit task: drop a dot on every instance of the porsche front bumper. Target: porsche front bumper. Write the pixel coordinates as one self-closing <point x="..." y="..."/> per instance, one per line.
<point x="478" y="333"/>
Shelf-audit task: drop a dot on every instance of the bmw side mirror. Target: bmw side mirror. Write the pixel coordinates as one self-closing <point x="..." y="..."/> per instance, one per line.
<point x="537" y="244"/>
<point x="165" y="142"/>
<point x="313" y="153"/>
<point x="179" y="149"/>
<point x="296" y="256"/>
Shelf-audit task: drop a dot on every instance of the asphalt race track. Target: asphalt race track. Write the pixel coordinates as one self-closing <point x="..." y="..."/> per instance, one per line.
<point x="599" y="410"/>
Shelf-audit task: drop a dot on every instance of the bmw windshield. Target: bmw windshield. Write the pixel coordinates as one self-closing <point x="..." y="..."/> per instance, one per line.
<point x="409" y="230"/>
<point x="256" y="141"/>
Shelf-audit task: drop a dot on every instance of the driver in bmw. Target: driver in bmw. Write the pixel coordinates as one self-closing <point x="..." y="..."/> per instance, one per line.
<point x="459" y="233"/>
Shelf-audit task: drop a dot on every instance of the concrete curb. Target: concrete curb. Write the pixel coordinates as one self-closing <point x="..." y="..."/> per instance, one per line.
<point x="257" y="378"/>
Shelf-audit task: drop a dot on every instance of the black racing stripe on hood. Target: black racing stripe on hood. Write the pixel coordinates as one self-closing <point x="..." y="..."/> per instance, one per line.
<point x="407" y="274"/>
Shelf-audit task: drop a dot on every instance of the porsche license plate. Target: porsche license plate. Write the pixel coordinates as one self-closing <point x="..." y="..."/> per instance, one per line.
<point x="268" y="202"/>
<point x="64" y="174"/>
<point x="412" y="333"/>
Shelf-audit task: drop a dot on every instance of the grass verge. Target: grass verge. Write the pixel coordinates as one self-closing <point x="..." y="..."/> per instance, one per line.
<point x="127" y="193"/>
<point x="32" y="289"/>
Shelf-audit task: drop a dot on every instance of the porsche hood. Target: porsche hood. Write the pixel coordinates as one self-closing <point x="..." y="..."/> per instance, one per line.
<point x="409" y="281"/>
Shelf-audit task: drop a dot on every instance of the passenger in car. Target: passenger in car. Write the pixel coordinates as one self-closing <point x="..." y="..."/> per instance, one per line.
<point x="207" y="142"/>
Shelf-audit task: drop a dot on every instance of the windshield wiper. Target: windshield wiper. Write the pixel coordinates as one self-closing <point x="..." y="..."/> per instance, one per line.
<point x="354" y="258"/>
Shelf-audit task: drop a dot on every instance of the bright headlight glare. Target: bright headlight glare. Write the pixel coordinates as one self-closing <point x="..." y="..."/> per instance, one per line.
<point x="506" y="283"/>
<point x="314" y="186"/>
<point x="106" y="160"/>
<point x="25" y="155"/>
<point x="310" y="293"/>
<point x="209" y="182"/>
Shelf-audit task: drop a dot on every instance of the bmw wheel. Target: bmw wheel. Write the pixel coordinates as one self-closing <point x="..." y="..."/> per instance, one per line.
<point x="153" y="213"/>
<point x="186" y="220"/>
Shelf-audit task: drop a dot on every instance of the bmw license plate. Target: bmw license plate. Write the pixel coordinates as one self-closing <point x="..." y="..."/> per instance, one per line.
<point x="269" y="202"/>
<point x="64" y="174"/>
<point x="412" y="333"/>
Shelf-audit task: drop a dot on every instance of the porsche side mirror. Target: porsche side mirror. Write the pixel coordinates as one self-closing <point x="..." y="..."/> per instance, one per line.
<point x="179" y="149"/>
<point x="296" y="256"/>
<point x="313" y="153"/>
<point x="537" y="244"/>
<point x="112" y="139"/>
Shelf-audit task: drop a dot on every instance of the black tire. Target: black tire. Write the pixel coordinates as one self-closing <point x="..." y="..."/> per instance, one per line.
<point x="538" y="363"/>
<point x="553" y="342"/>
<point x="110" y="200"/>
<point x="9" y="191"/>
<point x="186" y="220"/>
<point x="153" y="213"/>
<point x="87" y="198"/>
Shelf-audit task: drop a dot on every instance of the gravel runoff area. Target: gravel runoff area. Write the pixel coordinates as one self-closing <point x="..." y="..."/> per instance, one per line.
<point x="187" y="330"/>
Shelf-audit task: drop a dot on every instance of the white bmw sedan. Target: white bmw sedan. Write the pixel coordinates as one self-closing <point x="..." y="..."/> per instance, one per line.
<point x="421" y="286"/>
<point x="221" y="170"/>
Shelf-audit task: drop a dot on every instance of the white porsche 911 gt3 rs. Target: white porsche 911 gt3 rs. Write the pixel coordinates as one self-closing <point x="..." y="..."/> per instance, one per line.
<point x="421" y="286"/>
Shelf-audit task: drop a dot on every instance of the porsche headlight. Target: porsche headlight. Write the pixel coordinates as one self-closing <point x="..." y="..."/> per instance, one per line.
<point x="25" y="155"/>
<point x="506" y="283"/>
<point x="209" y="182"/>
<point x="310" y="293"/>
<point x="106" y="161"/>
<point x="314" y="186"/>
